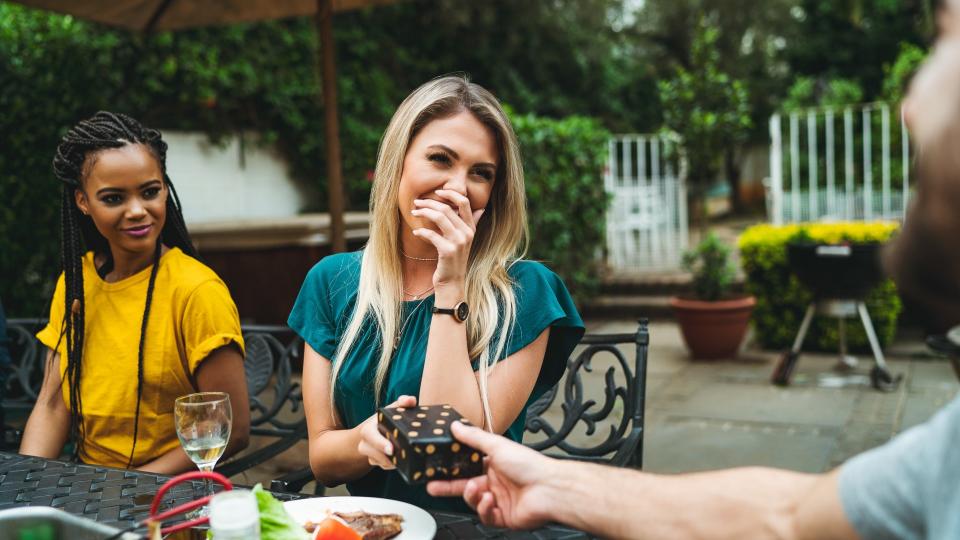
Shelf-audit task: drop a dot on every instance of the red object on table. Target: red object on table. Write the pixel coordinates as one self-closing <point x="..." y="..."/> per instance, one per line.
<point x="186" y="507"/>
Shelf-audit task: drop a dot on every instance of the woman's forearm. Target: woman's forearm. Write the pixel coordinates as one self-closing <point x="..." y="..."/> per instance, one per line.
<point x="334" y="458"/>
<point x="448" y="376"/>
<point x="173" y="462"/>
<point x="46" y="430"/>
<point x="176" y="461"/>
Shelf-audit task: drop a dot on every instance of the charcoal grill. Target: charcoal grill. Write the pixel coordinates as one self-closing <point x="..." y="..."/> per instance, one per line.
<point x="840" y="278"/>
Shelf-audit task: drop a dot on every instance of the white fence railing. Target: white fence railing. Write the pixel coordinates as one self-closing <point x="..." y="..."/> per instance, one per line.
<point x="647" y="218"/>
<point x="843" y="163"/>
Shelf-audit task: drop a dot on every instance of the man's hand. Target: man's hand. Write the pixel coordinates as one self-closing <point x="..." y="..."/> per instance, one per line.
<point x="514" y="492"/>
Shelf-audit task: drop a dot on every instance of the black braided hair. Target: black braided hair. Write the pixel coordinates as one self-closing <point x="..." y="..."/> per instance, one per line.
<point x="74" y="158"/>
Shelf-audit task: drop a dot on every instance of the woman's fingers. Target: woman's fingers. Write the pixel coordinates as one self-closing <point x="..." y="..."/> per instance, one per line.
<point x="375" y="457"/>
<point x="460" y="215"/>
<point x="444" y="247"/>
<point x="404" y="401"/>
<point x="373" y="444"/>
<point x="442" y="219"/>
<point x="463" y="206"/>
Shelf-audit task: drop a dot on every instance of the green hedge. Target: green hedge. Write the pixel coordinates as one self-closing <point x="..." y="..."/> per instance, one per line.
<point x="781" y="299"/>
<point x="566" y="201"/>
<point x="55" y="70"/>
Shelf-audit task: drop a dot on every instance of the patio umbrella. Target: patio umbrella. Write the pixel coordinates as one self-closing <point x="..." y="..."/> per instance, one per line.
<point x="161" y="15"/>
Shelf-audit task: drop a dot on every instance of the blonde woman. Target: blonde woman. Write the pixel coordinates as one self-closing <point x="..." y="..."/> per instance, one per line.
<point x="439" y="307"/>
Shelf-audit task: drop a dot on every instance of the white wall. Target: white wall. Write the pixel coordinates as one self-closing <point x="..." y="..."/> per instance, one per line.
<point x="219" y="183"/>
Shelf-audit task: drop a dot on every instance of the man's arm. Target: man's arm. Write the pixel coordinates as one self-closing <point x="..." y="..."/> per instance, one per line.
<point x="756" y="503"/>
<point x="524" y="489"/>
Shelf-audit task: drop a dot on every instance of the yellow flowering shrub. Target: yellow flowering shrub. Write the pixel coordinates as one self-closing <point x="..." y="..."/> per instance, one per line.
<point x="781" y="299"/>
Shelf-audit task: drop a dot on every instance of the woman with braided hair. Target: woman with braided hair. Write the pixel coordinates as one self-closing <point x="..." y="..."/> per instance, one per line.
<point x="136" y="320"/>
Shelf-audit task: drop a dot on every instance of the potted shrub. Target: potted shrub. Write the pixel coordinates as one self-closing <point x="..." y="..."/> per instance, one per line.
<point x="713" y="323"/>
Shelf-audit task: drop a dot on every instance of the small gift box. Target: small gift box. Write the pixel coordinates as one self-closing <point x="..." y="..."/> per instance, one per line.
<point x="423" y="447"/>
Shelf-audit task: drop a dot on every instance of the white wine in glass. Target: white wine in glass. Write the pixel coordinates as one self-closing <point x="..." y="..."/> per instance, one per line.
<point x="203" y="423"/>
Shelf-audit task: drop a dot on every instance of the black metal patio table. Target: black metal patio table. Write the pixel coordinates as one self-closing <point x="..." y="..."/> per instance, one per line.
<point x="120" y="498"/>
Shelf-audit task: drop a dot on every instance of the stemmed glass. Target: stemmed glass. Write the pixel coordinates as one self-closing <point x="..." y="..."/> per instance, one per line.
<point x="203" y="423"/>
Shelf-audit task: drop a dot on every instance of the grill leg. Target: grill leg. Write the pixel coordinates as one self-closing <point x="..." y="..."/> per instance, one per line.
<point x="847" y="362"/>
<point x="880" y="376"/>
<point x="788" y="362"/>
<point x="804" y="328"/>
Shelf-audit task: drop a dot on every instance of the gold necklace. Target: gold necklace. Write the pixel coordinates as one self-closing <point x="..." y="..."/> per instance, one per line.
<point x="396" y="340"/>
<point x="418" y="258"/>
<point x="418" y="295"/>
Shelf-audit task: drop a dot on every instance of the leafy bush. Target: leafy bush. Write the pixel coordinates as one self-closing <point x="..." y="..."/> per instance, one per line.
<point x="564" y="162"/>
<point x="897" y="75"/>
<point x="782" y="300"/>
<point x="810" y="92"/>
<point x="708" y="108"/>
<point x="710" y="265"/>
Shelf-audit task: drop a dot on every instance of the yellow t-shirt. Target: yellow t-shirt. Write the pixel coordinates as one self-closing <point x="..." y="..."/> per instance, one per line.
<point x="191" y="315"/>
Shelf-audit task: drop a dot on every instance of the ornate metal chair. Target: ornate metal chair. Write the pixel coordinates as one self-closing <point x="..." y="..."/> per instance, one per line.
<point x="26" y="371"/>
<point x="623" y="444"/>
<point x="276" y="403"/>
<point x="624" y="392"/>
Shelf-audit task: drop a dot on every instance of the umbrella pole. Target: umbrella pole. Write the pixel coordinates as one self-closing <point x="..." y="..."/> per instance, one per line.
<point x="324" y="22"/>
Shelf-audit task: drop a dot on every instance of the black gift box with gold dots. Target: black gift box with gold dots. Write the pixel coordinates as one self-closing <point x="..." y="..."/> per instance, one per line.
<point x="423" y="447"/>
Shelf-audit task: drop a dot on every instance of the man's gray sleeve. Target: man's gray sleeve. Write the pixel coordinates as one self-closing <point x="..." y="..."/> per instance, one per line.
<point x="908" y="488"/>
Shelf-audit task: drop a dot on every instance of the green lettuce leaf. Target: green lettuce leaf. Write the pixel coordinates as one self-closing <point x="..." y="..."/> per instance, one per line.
<point x="275" y="522"/>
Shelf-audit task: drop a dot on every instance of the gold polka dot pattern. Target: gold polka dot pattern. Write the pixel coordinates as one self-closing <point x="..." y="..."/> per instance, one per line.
<point x="424" y="447"/>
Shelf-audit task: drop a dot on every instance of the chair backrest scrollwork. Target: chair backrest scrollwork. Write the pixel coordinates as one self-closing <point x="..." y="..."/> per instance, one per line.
<point x="28" y="357"/>
<point x="276" y="401"/>
<point x="623" y="390"/>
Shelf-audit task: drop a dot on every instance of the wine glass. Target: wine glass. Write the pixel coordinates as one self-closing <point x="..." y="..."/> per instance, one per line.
<point x="203" y="423"/>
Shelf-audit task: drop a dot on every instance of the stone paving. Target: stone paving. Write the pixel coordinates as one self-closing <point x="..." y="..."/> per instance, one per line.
<point x="708" y="415"/>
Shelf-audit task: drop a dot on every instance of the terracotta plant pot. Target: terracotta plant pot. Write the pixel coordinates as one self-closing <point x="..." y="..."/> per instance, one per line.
<point x="713" y="330"/>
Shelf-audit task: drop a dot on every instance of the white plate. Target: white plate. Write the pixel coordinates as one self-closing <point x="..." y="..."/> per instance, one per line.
<point x="417" y="523"/>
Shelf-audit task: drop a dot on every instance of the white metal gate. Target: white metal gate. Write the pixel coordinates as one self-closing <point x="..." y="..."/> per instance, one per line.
<point x="838" y="163"/>
<point x="647" y="217"/>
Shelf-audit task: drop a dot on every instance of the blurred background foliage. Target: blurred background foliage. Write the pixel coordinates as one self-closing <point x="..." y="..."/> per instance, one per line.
<point x="602" y="59"/>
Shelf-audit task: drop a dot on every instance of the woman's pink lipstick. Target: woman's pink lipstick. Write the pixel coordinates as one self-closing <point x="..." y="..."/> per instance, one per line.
<point x="138" y="232"/>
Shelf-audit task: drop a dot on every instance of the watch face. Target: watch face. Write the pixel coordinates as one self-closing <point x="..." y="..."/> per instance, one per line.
<point x="462" y="311"/>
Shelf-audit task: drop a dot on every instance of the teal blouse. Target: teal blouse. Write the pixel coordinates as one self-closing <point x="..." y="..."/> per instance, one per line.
<point x="322" y="312"/>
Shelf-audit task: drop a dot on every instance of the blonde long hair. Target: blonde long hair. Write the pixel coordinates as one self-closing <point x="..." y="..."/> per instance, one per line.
<point x="499" y="241"/>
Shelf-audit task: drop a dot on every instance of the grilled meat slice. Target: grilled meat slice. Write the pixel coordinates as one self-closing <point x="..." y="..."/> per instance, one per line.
<point x="373" y="526"/>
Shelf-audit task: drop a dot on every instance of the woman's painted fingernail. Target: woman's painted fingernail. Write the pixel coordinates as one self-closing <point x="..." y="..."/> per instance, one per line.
<point x="388" y="449"/>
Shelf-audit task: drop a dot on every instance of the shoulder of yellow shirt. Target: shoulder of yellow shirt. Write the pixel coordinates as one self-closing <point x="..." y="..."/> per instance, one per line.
<point x="190" y="273"/>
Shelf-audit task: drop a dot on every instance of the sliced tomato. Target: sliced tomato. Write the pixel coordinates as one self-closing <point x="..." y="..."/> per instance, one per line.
<point x="334" y="529"/>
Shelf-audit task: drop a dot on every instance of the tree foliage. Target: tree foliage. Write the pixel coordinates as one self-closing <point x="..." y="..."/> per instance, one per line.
<point x="55" y="70"/>
<point x="707" y="107"/>
<point x="550" y="58"/>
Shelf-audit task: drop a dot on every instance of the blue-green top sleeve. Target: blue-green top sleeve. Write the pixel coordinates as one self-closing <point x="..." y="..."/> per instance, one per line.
<point x="317" y="313"/>
<point x="544" y="302"/>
